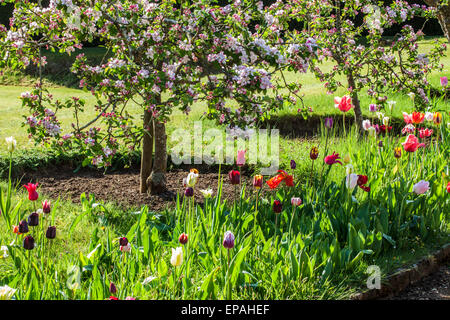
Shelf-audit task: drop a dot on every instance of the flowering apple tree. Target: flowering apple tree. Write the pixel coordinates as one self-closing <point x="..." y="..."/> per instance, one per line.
<point x="162" y="55"/>
<point x="350" y="34"/>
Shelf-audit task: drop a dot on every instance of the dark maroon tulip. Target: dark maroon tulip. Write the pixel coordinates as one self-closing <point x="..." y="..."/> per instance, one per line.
<point x="293" y="164"/>
<point x="33" y="219"/>
<point x="277" y="206"/>
<point x="23" y="226"/>
<point x="46" y="207"/>
<point x="235" y="177"/>
<point x="189" y="192"/>
<point x="228" y="240"/>
<point x="123" y="242"/>
<point x="112" y="288"/>
<point x="183" y="239"/>
<point x="28" y="243"/>
<point x="51" y="232"/>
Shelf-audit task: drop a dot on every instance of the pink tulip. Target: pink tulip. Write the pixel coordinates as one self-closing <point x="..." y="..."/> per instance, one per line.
<point x="421" y="187"/>
<point x="407" y="117"/>
<point x="444" y="81"/>
<point x="296" y="201"/>
<point x="412" y="143"/>
<point x="240" y="161"/>
<point x="344" y="104"/>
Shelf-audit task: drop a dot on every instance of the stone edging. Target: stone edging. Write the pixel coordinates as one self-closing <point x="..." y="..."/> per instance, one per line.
<point x="403" y="278"/>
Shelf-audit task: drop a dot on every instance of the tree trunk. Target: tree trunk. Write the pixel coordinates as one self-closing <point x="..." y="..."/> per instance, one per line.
<point x="147" y="151"/>
<point x="355" y="101"/>
<point x="156" y="182"/>
<point x="443" y="16"/>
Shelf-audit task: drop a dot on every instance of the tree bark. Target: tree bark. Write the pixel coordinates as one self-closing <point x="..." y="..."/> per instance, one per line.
<point x="147" y="151"/>
<point x="156" y="182"/>
<point x="443" y="16"/>
<point x="355" y="101"/>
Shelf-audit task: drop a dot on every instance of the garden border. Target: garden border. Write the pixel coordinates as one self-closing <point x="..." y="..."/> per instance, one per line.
<point x="404" y="277"/>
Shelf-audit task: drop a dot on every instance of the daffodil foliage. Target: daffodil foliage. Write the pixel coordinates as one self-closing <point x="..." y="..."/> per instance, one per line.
<point x="162" y="55"/>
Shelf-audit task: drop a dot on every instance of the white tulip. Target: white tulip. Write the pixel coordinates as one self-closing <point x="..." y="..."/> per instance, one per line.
<point x="351" y="180"/>
<point x="6" y="292"/>
<point x="177" y="257"/>
<point x="11" y="144"/>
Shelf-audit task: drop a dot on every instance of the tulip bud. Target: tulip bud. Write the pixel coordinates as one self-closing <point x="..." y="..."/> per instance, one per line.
<point x="437" y="118"/>
<point x="380" y="143"/>
<point x="329" y="123"/>
<point x="296" y="201"/>
<point x="314" y="153"/>
<point x="293" y="165"/>
<point x="28" y="243"/>
<point x="46" y="207"/>
<point x="33" y="219"/>
<point x="258" y="181"/>
<point x="123" y="241"/>
<point x="235" y="177"/>
<point x="183" y="239"/>
<point x="23" y="226"/>
<point x="112" y="288"/>
<point x="189" y="192"/>
<point x="228" y="240"/>
<point x="51" y="232"/>
<point x="11" y="144"/>
<point x="277" y="206"/>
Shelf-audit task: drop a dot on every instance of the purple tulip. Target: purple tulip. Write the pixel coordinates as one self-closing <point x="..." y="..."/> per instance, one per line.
<point x="293" y="165"/>
<point x="23" y="226"/>
<point x="228" y="240"/>
<point x="33" y="219"/>
<point x="28" y="243"/>
<point x="189" y="192"/>
<point x="51" y="232"/>
<point x="444" y="81"/>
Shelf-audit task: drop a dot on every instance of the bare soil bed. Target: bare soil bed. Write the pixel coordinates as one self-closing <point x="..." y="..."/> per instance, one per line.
<point x="122" y="188"/>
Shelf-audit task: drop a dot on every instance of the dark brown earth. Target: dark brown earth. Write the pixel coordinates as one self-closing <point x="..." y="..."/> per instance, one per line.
<point x="436" y="286"/>
<point x="122" y="188"/>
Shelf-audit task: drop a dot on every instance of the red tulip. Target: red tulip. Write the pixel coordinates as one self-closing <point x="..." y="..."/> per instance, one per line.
<point x="46" y="207"/>
<point x="235" y="177"/>
<point x="425" y="133"/>
<point x="32" y="194"/>
<point x="412" y="143"/>
<point x="277" y="206"/>
<point x="448" y="187"/>
<point x="275" y="181"/>
<point x="417" y="117"/>
<point x="407" y="117"/>
<point x="362" y="180"/>
<point x="332" y="159"/>
<point x="183" y="239"/>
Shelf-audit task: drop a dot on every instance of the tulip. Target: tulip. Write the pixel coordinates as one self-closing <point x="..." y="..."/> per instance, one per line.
<point x="351" y="181"/>
<point x="448" y="187"/>
<point x="314" y="153"/>
<point x="33" y="219"/>
<point x="386" y="121"/>
<point x="130" y="298"/>
<point x="362" y="180"/>
<point x="192" y="179"/>
<point x="332" y="159"/>
<point x="429" y="116"/>
<point x="28" y="243"/>
<point x="23" y="226"/>
<point x="207" y="193"/>
<point x="412" y="95"/>
<point x="258" y="181"/>
<point x="380" y="143"/>
<point x="366" y="124"/>
<point x="384" y="128"/>
<point x="349" y="169"/>
<point x="6" y="292"/>
<point x="51" y="232"/>
<point x="344" y="104"/>
<point x="183" y="239"/>
<point x="425" y="133"/>
<point x="16" y="230"/>
<point x="126" y="248"/>
<point x="177" y="257"/>
<point x="46" y="208"/>
<point x="228" y="240"/>
<point x="277" y="207"/>
<point x="189" y="192"/>
<point x="373" y="108"/>
<point x="437" y="118"/>
<point x="293" y="165"/>
<point x="296" y="202"/>
<point x="11" y="144"/>
<point x="417" y="117"/>
<point x="235" y="177"/>
<point x="407" y="117"/>
<point x="397" y="152"/>
<point x="123" y="241"/>
<point x="113" y="298"/>
<point x="391" y="105"/>
<point x="444" y="81"/>
<point x="282" y="176"/>
<point x="421" y="187"/>
<point x="112" y="288"/>
<point x="240" y="161"/>
<point x="32" y="194"/>
<point x="412" y="143"/>
<point x="329" y="123"/>
<point x="409" y="128"/>
<point x="372" y="131"/>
